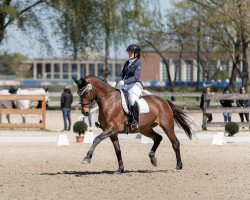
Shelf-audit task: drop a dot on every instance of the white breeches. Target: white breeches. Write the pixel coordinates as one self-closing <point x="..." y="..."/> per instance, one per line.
<point x="134" y="93"/>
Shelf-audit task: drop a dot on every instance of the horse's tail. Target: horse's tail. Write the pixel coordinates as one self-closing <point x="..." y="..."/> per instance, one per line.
<point x="182" y="120"/>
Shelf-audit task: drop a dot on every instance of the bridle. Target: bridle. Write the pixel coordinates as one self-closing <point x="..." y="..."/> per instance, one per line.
<point x="81" y="92"/>
<point x="90" y="88"/>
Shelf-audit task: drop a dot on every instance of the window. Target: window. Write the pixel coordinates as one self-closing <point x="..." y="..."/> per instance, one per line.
<point x="65" y="70"/>
<point x="202" y="73"/>
<point x="111" y="72"/>
<point x="74" y="70"/>
<point x="164" y="71"/>
<point x="189" y="75"/>
<point x="100" y="70"/>
<point x="225" y="65"/>
<point x="92" y="69"/>
<point x="48" y="70"/>
<point x="118" y="69"/>
<point x="213" y="67"/>
<point x="56" y="71"/>
<point x="39" y="70"/>
<point x="177" y="65"/>
<point x="83" y="70"/>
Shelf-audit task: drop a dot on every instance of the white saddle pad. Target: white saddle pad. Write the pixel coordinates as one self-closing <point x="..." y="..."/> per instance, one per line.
<point x="143" y="105"/>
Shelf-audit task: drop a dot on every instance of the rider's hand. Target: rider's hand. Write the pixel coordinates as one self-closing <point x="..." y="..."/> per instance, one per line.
<point x="121" y="83"/>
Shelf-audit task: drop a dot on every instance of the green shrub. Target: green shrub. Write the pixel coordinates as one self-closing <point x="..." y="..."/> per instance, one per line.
<point x="80" y="127"/>
<point x="231" y="128"/>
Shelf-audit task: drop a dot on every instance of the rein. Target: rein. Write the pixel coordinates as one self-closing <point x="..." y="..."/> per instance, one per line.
<point x="92" y="99"/>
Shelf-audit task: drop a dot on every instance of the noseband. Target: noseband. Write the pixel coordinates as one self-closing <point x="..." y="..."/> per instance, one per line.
<point x="81" y="92"/>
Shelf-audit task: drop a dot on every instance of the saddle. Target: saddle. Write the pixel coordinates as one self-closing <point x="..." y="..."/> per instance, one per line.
<point x="142" y="104"/>
<point x="142" y="108"/>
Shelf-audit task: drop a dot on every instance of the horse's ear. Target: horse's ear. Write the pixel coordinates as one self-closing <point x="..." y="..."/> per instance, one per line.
<point x="76" y="81"/>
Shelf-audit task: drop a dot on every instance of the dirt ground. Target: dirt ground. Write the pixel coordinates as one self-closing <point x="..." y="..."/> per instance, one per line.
<point x="46" y="171"/>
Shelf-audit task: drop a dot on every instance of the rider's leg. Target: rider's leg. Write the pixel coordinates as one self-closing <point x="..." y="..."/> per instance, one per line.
<point x="134" y="94"/>
<point x="135" y="111"/>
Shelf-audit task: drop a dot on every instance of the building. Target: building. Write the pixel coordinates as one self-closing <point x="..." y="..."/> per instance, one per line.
<point x="184" y="69"/>
<point x="64" y="69"/>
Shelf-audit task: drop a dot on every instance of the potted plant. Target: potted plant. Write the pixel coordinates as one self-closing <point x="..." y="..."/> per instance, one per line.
<point x="231" y="128"/>
<point x="80" y="127"/>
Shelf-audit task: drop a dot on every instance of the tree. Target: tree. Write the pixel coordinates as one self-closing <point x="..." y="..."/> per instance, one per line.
<point x="23" y="15"/>
<point x="104" y="24"/>
<point x="225" y="25"/>
<point x="75" y="24"/>
<point x="9" y="63"/>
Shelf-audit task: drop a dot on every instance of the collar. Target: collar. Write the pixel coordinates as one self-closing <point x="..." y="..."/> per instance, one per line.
<point x="130" y="62"/>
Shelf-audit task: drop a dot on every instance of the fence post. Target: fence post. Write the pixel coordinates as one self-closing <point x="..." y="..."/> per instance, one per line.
<point x="204" y="118"/>
<point x="43" y="112"/>
<point x="184" y="100"/>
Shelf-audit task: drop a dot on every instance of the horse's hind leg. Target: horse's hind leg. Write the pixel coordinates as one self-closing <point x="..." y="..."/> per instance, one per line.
<point x="157" y="140"/>
<point x="168" y="128"/>
<point x="24" y="118"/>
<point x="116" y="144"/>
<point x="8" y="118"/>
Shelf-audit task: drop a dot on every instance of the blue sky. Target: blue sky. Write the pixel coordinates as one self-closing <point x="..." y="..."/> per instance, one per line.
<point x="17" y="42"/>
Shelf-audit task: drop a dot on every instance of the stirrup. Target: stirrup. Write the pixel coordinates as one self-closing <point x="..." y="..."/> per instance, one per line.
<point x="135" y="125"/>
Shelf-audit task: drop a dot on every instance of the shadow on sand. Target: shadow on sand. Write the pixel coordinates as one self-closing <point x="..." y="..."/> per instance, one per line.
<point x="86" y="173"/>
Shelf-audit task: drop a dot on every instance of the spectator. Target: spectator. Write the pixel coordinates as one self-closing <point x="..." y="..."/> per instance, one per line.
<point x="204" y="103"/>
<point x="227" y="103"/>
<point x="66" y="101"/>
<point x="243" y="103"/>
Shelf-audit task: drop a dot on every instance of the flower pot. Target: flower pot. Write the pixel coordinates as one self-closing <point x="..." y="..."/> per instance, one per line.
<point x="80" y="138"/>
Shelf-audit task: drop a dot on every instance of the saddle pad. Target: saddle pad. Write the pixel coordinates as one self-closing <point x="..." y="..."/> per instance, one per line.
<point x="143" y="105"/>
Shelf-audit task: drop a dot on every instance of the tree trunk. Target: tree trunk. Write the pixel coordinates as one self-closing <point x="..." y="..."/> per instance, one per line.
<point x="107" y="40"/>
<point x="167" y="68"/>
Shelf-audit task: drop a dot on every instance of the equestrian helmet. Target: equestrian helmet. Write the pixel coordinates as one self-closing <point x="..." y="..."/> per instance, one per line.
<point x="134" y="48"/>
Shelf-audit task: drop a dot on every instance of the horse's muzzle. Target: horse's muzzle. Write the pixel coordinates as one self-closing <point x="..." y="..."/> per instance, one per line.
<point x="85" y="113"/>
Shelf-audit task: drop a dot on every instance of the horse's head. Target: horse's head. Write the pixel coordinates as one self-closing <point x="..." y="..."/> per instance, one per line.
<point x="86" y="95"/>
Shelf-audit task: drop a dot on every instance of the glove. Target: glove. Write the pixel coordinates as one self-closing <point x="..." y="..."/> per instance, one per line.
<point x="121" y="83"/>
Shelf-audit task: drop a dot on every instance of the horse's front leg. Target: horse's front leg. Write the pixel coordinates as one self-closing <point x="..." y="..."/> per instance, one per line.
<point x="106" y="133"/>
<point x="115" y="141"/>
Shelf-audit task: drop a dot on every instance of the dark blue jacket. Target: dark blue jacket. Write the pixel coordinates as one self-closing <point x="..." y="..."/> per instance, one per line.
<point x="243" y="103"/>
<point x="130" y="74"/>
<point x="226" y="102"/>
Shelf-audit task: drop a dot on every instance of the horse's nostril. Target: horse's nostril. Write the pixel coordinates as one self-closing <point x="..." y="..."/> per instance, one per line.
<point x="85" y="113"/>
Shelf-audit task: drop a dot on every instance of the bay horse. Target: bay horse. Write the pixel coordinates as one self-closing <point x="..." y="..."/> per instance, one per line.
<point x="112" y="118"/>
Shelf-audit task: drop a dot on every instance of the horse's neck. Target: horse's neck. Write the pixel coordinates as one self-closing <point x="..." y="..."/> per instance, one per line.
<point x="101" y="88"/>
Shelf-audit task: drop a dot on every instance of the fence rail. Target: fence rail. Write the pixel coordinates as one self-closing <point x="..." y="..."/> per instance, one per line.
<point x="219" y="109"/>
<point x="14" y="97"/>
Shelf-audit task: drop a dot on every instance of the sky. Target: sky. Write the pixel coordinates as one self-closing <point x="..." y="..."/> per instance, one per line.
<point x="16" y="42"/>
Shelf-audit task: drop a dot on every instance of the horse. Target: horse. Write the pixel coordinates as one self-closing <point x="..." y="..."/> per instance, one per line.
<point x="112" y="119"/>
<point x="22" y="104"/>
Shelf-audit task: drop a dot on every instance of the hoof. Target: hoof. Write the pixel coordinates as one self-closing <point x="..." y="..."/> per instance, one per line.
<point x="86" y="161"/>
<point x="178" y="168"/>
<point x="153" y="161"/>
<point x="119" y="171"/>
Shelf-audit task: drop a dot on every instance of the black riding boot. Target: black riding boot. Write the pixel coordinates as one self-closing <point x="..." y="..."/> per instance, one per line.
<point x="135" y="112"/>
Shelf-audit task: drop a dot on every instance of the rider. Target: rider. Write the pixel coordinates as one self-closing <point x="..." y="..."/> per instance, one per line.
<point x="127" y="79"/>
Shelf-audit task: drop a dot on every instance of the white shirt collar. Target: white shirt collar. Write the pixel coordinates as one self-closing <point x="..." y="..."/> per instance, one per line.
<point x="131" y="61"/>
